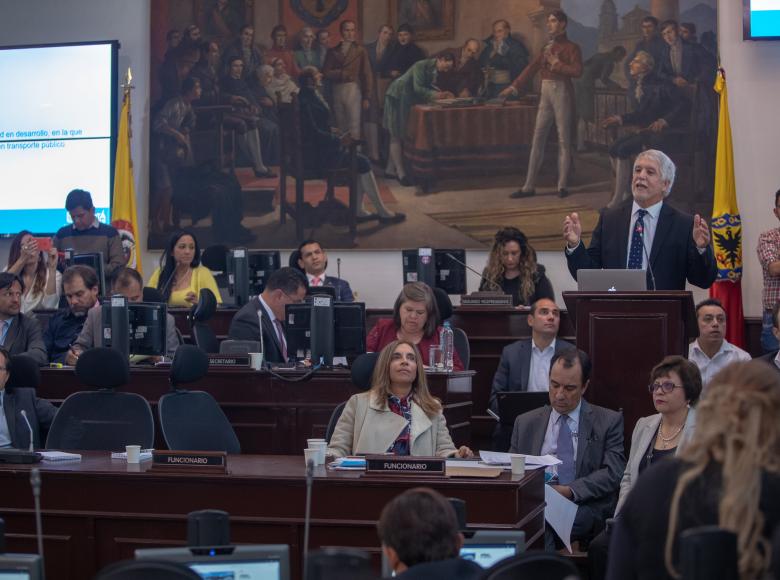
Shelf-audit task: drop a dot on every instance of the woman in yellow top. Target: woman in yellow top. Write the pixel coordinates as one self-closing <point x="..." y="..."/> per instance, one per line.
<point x="180" y="276"/>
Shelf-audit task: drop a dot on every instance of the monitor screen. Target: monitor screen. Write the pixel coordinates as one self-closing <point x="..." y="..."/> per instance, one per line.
<point x="449" y="271"/>
<point x="246" y="562"/>
<point x="20" y="567"/>
<point x="761" y="19"/>
<point x="14" y="575"/>
<point x="261" y="266"/>
<point x="61" y="133"/>
<point x="147" y="323"/>
<point x="237" y="570"/>
<point x="487" y="554"/>
<point x="349" y="322"/>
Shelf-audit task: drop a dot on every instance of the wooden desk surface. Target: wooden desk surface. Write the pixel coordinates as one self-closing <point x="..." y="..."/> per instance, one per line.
<point x="99" y="510"/>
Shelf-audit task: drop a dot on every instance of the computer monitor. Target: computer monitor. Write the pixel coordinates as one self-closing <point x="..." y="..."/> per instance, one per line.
<point x="349" y="329"/>
<point x="248" y="271"/>
<point x="440" y="268"/>
<point x="250" y="562"/>
<point x="93" y="260"/>
<point x="20" y="567"/>
<point x="146" y="326"/>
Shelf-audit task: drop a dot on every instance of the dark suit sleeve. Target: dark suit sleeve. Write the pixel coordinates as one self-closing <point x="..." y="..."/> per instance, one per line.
<point x="606" y="480"/>
<point x="242" y="327"/>
<point x="590" y="259"/>
<point x="702" y="267"/>
<point x="500" y="380"/>
<point x="35" y="346"/>
<point x="48" y="334"/>
<point x="45" y="412"/>
<point x="346" y="292"/>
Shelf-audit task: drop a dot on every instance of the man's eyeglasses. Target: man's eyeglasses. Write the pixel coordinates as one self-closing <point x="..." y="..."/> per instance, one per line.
<point x="666" y="387"/>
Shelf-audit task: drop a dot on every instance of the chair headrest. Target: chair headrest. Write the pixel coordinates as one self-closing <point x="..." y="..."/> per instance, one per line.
<point x="215" y="258"/>
<point x="363" y="368"/>
<point x="152" y="295"/>
<point x="444" y="303"/>
<point x="103" y="368"/>
<point x="205" y="307"/>
<point x="190" y="363"/>
<point x="25" y="372"/>
<point x="295" y="255"/>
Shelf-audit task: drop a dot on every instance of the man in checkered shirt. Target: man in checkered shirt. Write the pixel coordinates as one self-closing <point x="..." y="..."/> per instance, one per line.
<point x="769" y="256"/>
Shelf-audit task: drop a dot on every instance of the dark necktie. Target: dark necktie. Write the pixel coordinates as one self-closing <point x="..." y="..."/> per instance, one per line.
<point x="280" y="334"/>
<point x="637" y="242"/>
<point x="565" y="452"/>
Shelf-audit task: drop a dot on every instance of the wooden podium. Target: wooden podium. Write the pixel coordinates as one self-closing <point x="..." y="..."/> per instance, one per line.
<point x="626" y="334"/>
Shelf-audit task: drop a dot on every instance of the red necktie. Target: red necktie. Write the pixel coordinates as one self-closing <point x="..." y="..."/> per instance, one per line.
<point x="316" y="281"/>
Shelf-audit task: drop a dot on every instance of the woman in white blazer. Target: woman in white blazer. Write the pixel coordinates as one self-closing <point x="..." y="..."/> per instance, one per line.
<point x="675" y="386"/>
<point x="398" y="414"/>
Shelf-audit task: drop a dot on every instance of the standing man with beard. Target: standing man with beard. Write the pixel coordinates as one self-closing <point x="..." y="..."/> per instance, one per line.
<point x="677" y="244"/>
<point x="80" y="287"/>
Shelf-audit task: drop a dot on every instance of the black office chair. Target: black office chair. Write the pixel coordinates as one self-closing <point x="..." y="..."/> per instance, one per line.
<point x="151" y="294"/>
<point x="199" y="317"/>
<point x="193" y="420"/>
<point x="708" y="552"/>
<point x="339" y="564"/>
<point x="102" y="420"/>
<point x="533" y="565"/>
<point x="776" y="553"/>
<point x="147" y="570"/>
<point x="460" y="338"/>
<point x="25" y="372"/>
<point x="361" y="371"/>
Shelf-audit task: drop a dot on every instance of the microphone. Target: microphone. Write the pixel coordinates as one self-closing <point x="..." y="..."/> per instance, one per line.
<point x="307" y="516"/>
<point x="35" y="482"/>
<point x="260" y="323"/>
<point x="647" y="257"/>
<point x="29" y="428"/>
<point x="492" y="283"/>
<point x="338" y="268"/>
<point x="167" y="282"/>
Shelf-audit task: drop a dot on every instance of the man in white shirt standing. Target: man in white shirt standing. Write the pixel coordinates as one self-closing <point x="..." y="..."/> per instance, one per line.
<point x="313" y="260"/>
<point x="711" y="351"/>
<point x="525" y="364"/>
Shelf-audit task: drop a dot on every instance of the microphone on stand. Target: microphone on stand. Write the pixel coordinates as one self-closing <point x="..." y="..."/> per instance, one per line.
<point x="492" y="283"/>
<point x="338" y="275"/>
<point x="647" y="257"/>
<point x="168" y="281"/>
<point x="31" y="447"/>
<point x="35" y="481"/>
<point x="307" y="516"/>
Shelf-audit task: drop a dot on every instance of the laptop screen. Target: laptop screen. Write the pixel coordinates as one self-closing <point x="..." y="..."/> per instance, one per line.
<point x="238" y="570"/>
<point x="487" y="554"/>
<point x="14" y="575"/>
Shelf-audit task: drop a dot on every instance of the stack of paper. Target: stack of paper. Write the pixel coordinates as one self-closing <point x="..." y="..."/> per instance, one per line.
<point x="59" y="456"/>
<point x="349" y="463"/>
<point x="531" y="461"/>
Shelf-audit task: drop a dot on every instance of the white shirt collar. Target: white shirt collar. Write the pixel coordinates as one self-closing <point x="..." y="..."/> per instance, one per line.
<point x="574" y="415"/>
<point x="536" y="348"/>
<point x="725" y="347"/>
<point x="654" y="210"/>
<point x="267" y="308"/>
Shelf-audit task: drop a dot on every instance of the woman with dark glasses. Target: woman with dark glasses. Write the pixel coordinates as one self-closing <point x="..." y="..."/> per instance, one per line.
<point x="675" y="386"/>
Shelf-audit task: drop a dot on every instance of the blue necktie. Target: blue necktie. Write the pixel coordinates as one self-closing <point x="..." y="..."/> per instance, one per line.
<point x="637" y="247"/>
<point x="565" y="452"/>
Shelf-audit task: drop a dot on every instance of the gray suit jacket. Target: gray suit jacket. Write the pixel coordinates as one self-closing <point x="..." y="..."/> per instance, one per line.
<point x="512" y="372"/>
<point x="40" y="413"/>
<point x="25" y="337"/>
<point x="91" y="335"/>
<point x="246" y="326"/>
<point x="601" y="458"/>
<point x="643" y="434"/>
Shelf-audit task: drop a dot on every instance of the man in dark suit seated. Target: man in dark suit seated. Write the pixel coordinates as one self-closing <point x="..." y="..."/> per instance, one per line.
<point x="773" y="358"/>
<point x="677" y="244"/>
<point x="525" y="364"/>
<point x="588" y="439"/>
<point x="80" y="287"/>
<point x="19" y="333"/>
<point x="313" y="261"/>
<point x="14" y="431"/>
<point x="420" y="538"/>
<point x="266" y="312"/>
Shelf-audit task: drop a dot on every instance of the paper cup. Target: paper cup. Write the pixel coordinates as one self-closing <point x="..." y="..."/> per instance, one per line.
<point x="311" y="454"/>
<point x="256" y="360"/>
<point x="321" y="446"/>
<point x="133" y="453"/>
<point x="518" y="464"/>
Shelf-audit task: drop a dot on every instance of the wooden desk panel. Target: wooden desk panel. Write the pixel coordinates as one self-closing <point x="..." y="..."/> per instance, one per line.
<point x="98" y="511"/>
<point x="271" y="416"/>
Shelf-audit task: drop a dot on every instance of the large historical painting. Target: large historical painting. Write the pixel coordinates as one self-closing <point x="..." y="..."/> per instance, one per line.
<point x="454" y="137"/>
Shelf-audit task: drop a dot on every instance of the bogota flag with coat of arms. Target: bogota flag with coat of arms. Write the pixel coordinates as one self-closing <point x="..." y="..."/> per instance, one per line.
<point x="727" y="225"/>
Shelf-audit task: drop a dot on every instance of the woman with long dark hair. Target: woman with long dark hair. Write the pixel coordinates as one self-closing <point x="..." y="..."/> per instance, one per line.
<point x="38" y="271"/>
<point x="513" y="269"/>
<point x="180" y="276"/>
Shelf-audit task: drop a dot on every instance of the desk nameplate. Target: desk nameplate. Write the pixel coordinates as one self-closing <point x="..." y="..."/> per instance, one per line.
<point x="395" y="465"/>
<point x="228" y="360"/>
<point x="190" y="461"/>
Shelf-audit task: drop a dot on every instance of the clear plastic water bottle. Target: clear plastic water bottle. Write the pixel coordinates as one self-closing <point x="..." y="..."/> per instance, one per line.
<point x="447" y="343"/>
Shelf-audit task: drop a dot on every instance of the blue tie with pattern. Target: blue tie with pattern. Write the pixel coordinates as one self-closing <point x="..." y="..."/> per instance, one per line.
<point x="565" y="452"/>
<point x="637" y="249"/>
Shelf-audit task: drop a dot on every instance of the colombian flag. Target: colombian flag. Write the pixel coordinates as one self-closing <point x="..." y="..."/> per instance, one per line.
<point x="727" y="225"/>
<point x="124" y="214"/>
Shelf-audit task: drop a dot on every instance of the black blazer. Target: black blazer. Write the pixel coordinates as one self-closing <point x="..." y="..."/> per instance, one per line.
<point x="40" y="413"/>
<point x="673" y="257"/>
<point x="246" y="326"/>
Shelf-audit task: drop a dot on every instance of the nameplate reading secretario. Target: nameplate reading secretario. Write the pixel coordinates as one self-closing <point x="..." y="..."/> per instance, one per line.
<point x="228" y="360"/>
<point x="190" y="461"/>
<point x="394" y="464"/>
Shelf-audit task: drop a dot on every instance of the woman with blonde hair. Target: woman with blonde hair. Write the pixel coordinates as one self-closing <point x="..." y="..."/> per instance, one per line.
<point x="38" y="271"/>
<point x="398" y="414"/>
<point x="728" y="475"/>
<point x="512" y="269"/>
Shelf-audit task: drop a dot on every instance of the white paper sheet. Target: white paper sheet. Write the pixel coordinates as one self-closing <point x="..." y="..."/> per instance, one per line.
<point x="559" y="513"/>
<point x="496" y="458"/>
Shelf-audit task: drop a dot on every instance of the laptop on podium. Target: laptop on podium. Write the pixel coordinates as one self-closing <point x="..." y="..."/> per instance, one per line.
<point x="611" y="280"/>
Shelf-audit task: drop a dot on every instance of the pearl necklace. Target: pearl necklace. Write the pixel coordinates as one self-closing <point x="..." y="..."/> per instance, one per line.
<point x="666" y="440"/>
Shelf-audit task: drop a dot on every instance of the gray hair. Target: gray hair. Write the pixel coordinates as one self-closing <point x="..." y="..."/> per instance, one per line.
<point x="646" y="58"/>
<point x="665" y="166"/>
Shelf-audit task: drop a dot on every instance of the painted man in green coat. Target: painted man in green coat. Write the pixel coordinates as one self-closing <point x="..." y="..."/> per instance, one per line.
<point x="415" y="87"/>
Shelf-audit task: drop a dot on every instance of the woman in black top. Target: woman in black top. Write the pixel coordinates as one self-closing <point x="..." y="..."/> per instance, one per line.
<point x="737" y="435"/>
<point x="512" y="268"/>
